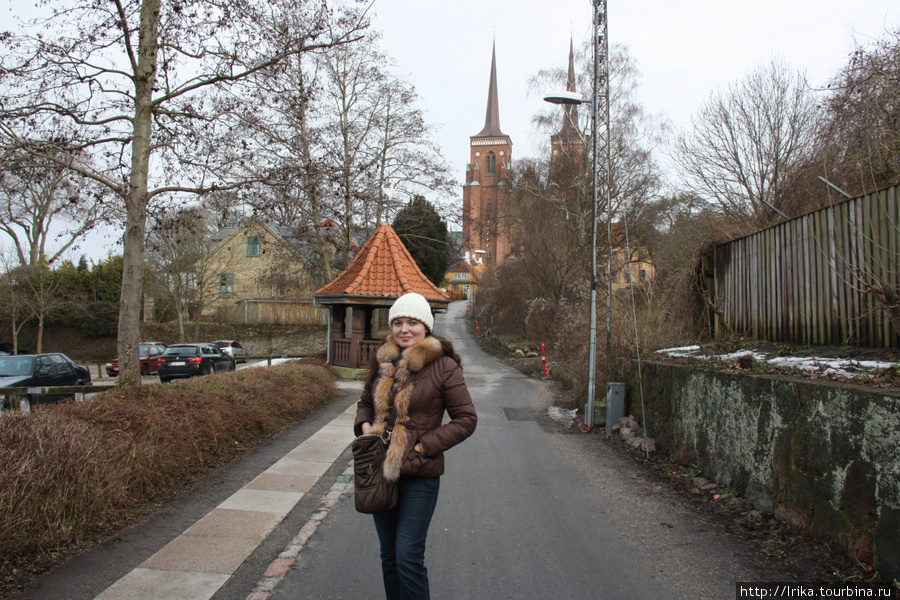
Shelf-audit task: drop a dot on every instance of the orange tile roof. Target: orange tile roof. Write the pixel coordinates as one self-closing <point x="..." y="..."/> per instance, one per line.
<point x="383" y="267"/>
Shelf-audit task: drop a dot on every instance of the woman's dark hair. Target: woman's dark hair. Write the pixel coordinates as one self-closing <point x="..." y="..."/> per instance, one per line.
<point x="449" y="350"/>
<point x="446" y="346"/>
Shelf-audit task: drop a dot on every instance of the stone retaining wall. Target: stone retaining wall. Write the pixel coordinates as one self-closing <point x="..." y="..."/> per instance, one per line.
<point x="821" y="455"/>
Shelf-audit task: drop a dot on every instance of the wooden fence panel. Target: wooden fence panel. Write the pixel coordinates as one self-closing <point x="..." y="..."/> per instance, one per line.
<point x="813" y="279"/>
<point x="279" y="312"/>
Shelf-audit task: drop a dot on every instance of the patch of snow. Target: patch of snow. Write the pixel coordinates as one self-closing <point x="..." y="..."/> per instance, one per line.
<point x="262" y="363"/>
<point x="682" y="351"/>
<point x="756" y="355"/>
<point x="824" y="366"/>
<point x="561" y="415"/>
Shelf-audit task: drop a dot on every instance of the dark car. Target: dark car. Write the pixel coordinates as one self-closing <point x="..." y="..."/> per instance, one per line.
<point x="232" y="348"/>
<point x="150" y="352"/>
<point x="7" y="348"/>
<point x="40" y="370"/>
<point x="187" y="360"/>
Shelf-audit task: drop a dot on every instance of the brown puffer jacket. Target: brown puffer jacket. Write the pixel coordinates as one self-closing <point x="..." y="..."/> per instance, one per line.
<point x="413" y="389"/>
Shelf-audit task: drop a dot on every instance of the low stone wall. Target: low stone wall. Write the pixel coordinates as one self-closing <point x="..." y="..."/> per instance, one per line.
<point x="823" y="456"/>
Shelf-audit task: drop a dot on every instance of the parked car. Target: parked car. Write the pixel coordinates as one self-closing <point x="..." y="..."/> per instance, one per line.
<point x="40" y="370"/>
<point x="7" y="348"/>
<point x="187" y="360"/>
<point x="232" y="348"/>
<point x="149" y="351"/>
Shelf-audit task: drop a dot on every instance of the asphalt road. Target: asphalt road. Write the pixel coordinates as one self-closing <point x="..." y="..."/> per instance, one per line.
<point x="530" y="512"/>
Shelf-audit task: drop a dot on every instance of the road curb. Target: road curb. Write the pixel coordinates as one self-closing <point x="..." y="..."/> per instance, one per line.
<point x="279" y="567"/>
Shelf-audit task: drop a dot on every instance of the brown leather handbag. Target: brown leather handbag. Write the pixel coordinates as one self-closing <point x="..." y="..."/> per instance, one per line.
<point x="373" y="493"/>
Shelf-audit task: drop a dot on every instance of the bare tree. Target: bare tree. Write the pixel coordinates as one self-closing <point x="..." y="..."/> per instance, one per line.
<point x="553" y="204"/>
<point x="45" y="208"/>
<point x="353" y="76"/>
<point x="13" y="303"/>
<point x="176" y="243"/>
<point x="141" y="79"/>
<point x="634" y="134"/>
<point x="225" y="208"/>
<point x="862" y="119"/>
<point x="553" y="244"/>
<point x="43" y="293"/>
<point x="338" y="127"/>
<point x="743" y="144"/>
<point x="861" y="153"/>
<point x="373" y="133"/>
<point x="298" y="197"/>
<point x="406" y="156"/>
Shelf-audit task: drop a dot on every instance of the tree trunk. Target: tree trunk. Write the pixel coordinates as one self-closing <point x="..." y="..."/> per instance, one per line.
<point x="179" y="308"/>
<point x="40" y="334"/>
<point x="348" y="215"/>
<point x="312" y="183"/>
<point x="137" y="198"/>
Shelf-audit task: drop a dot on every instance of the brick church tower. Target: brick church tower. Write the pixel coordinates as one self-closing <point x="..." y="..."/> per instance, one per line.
<point x="567" y="148"/>
<point x="487" y="187"/>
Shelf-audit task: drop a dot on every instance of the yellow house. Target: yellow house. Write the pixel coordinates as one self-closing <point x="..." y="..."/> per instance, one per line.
<point x="631" y="265"/>
<point x="462" y="278"/>
<point x="254" y="276"/>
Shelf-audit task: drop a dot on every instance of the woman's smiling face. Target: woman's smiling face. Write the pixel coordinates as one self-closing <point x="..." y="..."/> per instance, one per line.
<point x="408" y="332"/>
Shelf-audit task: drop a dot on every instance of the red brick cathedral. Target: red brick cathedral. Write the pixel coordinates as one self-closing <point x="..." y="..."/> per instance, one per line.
<point x="487" y="188"/>
<point x="487" y="191"/>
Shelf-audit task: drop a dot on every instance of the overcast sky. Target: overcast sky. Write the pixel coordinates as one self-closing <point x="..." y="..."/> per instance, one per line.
<point x="685" y="50"/>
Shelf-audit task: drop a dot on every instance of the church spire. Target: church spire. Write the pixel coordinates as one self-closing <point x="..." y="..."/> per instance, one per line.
<point x="570" y="111"/>
<point x="492" y="118"/>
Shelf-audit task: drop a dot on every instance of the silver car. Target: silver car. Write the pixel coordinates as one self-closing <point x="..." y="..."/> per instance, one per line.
<point x="233" y="349"/>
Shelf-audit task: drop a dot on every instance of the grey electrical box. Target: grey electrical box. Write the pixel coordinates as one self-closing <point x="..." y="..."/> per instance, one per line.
<point x="615" y="404"/>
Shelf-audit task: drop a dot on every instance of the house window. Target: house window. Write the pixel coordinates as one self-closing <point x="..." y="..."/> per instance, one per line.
<point x="226" y="285"/>
<point x="491" y="163"/>
<point x="466" y="288"/>
<point x="642" y="276"/>
<point x="490" y="206"/>
<point x="627" y="275"/>
<point x="279" y="285"/>
<point x="253" y="246"/>
<point x="460" y="275"/>
<point x="455" y="286"/>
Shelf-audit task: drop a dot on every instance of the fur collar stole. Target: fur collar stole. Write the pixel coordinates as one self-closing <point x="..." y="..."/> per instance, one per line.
<point x="396" y="369"/>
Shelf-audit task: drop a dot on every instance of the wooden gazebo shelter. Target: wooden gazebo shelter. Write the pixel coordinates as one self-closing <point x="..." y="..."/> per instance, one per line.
<point x="381" y="272"/>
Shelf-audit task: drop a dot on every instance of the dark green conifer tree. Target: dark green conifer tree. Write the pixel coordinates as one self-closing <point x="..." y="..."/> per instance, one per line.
<point x="424" y="234"/>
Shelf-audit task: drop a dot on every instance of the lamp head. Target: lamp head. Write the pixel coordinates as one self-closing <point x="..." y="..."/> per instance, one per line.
<point x="566" y="98"/>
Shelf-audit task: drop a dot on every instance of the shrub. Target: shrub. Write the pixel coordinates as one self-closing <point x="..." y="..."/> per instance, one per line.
<point x="71" y="470"/>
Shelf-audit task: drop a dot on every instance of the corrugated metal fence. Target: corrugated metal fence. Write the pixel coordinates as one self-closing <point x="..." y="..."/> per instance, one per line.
<point x="814" y="279"/>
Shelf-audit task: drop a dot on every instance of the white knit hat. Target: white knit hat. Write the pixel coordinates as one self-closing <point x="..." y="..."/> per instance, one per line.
<point x="413" y="306"/>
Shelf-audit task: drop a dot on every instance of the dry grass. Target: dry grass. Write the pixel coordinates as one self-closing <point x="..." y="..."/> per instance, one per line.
<point x="74" y="471"/>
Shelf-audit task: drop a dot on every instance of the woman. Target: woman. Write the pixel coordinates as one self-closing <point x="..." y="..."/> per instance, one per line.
<point x="414" y="377"/>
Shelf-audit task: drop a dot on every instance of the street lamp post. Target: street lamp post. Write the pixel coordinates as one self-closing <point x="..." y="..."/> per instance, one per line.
<point x="600" y="63"/>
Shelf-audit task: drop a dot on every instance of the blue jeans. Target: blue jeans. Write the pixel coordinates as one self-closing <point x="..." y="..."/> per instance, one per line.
<point x="402" y="531"/>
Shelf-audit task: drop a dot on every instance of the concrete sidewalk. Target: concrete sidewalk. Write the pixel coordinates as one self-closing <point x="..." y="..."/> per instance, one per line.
<point x="201" y="560"/>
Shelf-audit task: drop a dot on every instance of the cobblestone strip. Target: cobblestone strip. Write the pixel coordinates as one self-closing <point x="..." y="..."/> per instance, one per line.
<point x="286" y="559"/>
